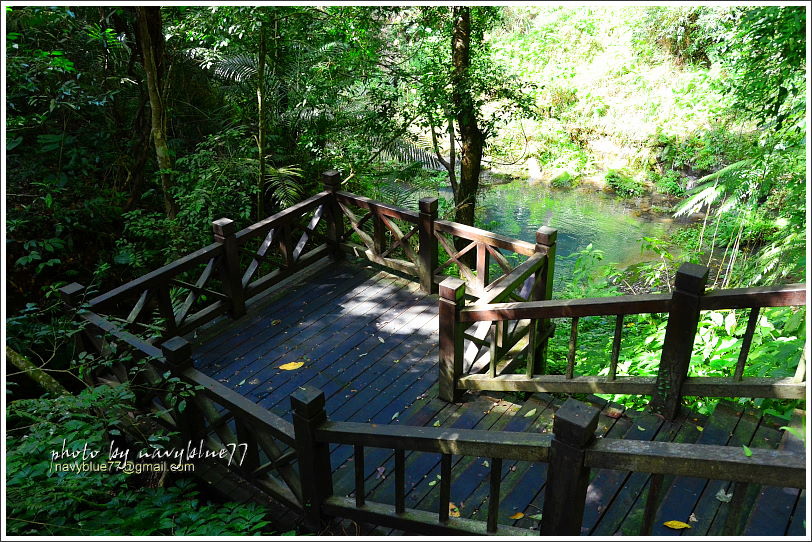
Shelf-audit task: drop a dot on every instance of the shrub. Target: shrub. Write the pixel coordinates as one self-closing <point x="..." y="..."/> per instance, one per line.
<point x="45" y="502"/>
<point x="624" y="185"/>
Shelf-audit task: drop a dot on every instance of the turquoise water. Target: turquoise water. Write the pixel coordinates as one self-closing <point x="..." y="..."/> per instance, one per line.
<point x="581" y="216"/>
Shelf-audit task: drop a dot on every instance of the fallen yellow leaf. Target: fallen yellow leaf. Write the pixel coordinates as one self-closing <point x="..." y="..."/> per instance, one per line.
<point x="453" y="511"/>
<point x="517" y="515"/>
<point x="293" y="365"/>
<point x="676" y="525"/>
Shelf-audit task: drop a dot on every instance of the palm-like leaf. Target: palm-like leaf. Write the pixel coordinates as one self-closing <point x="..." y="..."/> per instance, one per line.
<point x="714" y="187"/>
<point x="283" y="185"/>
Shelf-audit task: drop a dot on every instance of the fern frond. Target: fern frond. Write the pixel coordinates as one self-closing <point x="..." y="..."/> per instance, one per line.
<point x="237" y="68"/>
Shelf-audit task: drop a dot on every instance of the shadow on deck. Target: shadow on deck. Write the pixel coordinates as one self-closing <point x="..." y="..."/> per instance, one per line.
<point x="368" y="340"/>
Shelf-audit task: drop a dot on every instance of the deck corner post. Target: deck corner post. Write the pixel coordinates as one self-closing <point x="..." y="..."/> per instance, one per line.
<point x="71" y="294"/>
<point x="542" y="291"/>
<point x="428" y="244"/>
<point x="315" y="471"/>
<point x="680" y="332"/>
<point x="177" y="352"/>
<point x="225" y="231"/>
<point x="452" y="300"/>
<point x="567" y="475"/>
<point x="331" y="179"/>
<point x="546" y="244"/>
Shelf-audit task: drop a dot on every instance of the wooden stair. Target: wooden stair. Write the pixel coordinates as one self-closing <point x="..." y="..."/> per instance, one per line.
<point x="615" y="499"/>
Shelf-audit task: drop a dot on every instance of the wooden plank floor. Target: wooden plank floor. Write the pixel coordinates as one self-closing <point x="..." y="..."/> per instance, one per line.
<point x="369" y="341"/>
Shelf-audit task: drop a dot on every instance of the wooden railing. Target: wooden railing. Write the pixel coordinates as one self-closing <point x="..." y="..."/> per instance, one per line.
<point x="672" y="382"/>
<point x="571" y="452"/>
<point x="507" y="320"/>
<point x="219" y="278"/>
<point x="258" y="445"/>
<point x="149" y="315"/>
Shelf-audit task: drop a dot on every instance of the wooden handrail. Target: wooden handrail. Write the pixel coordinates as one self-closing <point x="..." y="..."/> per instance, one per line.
<point x="737" y="298"/>
<point x="763" y="467"/>
<point x="760" y="296"/>
<point x="378" y="207"/>
<point x="159" y="276"/>
<point x="241" y="406"/>
<point x="471" y="442"/>
<point x="483" y="236"/>
<point x="282" y="217"/>
<point x="110" y="328"/>
<point x="595" y="306"/>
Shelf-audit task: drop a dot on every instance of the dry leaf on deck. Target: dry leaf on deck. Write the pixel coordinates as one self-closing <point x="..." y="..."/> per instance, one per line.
<point x="614" y="413"/>
<point x="517" y="515"/>
<point x="453" y="511"/>
<point x="676" y="525"/>
<point x="292" y="366"/>
<point x="721" y="496"/>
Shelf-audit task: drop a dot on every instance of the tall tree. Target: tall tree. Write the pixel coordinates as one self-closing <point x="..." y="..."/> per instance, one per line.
<point x="471" y="139"/>
<point x="153" y="53"/>
<point x="263" y="49"/>
<point x="450" y="83"/>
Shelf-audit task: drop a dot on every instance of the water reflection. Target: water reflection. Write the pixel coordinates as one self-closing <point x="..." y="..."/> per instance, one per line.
<point x="582" y="216"/>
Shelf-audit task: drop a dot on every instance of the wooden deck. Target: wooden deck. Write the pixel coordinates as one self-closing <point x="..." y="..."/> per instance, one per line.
<point x="368" y="339"/>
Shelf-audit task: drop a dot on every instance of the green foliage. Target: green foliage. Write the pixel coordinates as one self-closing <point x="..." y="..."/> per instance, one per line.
<point x="590" y="278"/>
<point x="669" y="182"/>
<point x="45" y="502"/>
<point x="705" y="150"/>
<point x="687" y="33"/>
<point x="765" y="49"/>
<point x="623" y="184"/>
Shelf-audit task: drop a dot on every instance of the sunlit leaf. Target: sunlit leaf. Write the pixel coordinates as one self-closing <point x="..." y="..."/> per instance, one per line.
<point x="673" y="524"/>
<point x="292" y="366"/>
<point x="517" y="515"/>
<point x="747" y="451"/>
<point x="530" y="413"/>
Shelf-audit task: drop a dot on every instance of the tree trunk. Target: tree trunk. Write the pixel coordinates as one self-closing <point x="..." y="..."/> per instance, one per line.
<point x="45" y="381"/>
<point x="261" y="122"/>
<point x="150" y="36"/>
<point x="465" y="112"/>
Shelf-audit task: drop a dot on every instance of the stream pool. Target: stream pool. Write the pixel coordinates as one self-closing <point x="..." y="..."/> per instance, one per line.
<point x="582" y="216"/>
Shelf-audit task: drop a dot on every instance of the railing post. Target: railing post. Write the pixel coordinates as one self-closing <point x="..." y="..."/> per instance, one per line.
<point x="315" y="471"/>
<point x="331" y="179"/>
<point x="452" y="299"/>
<point x="567" y="476"/>
<point x="543" y="290"/>
<point x="545" y="244"/>
<point x="178" y="355"/>
<point x="225" y="233"/>
<point x="71" y="294"/>
<point x="689" y="285"/>
<point x="428" y="244"/>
